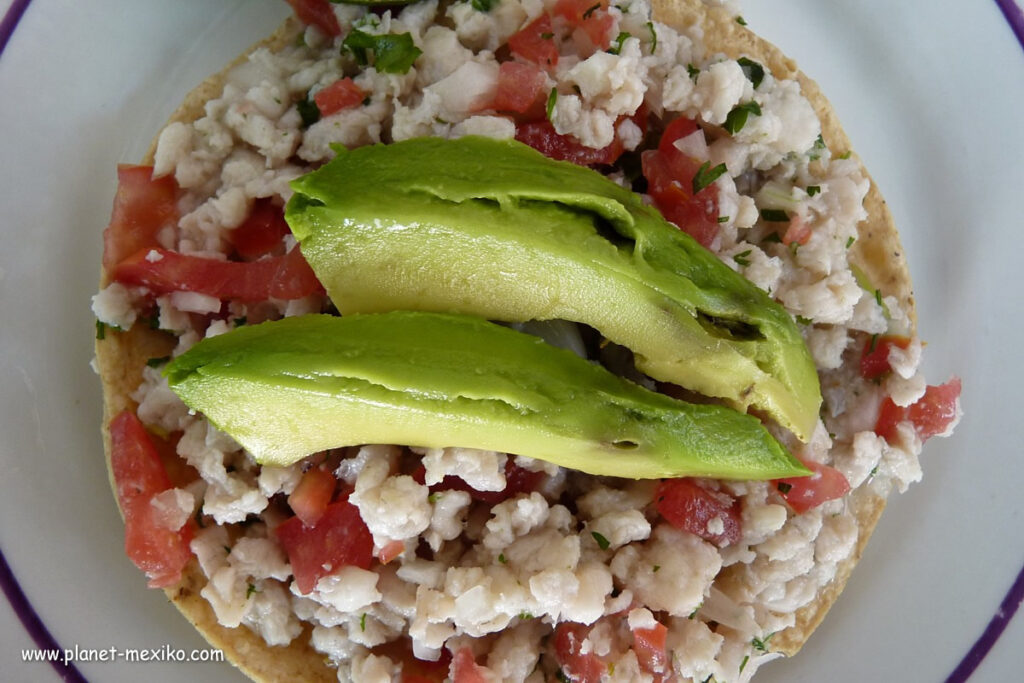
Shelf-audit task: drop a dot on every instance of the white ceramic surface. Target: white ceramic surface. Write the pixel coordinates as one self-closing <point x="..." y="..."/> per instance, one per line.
<point x="930" y="93"/>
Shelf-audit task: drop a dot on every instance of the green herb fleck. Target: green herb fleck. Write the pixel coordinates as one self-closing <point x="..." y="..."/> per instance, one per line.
<point x="816" y="150"/>
<point x="784" y="487"/>
<point x="502" y="558"/>
<point x="483" y="5"/>
<point x="656" y="567"/>
<point x="227" y="549"/>
<point x="878" y="297"/>
<point x="737" y="118"/>
<point x="157" y="362"/>
<point x="803" y="321"/>
<point x="874" y="471"/>
<point x="393" y="53"/>
<point x="741" y="258"/>
<point x="774" y="215"/>
<point x="874" y="342"/>
<point x="846" y="154"/>
<point x="101" y="330"/>
<point x="562" y="678"/>
<point x="813" y="190"/>
<point x="693" y="71"/>
<point x="547" y="36"/>
<point x="525" y="615"/>
<point x="250" y="590"/>
<point x="308" y="110"/>
<point x="743" y="664"/>
<point x="240" y="321"/>
<point x="590" y="11"/>
<point x="654" y="36"/>
<point x="616" y="46"/>
<point x="706" y="175"/>
<point x="602" y="542"/>
<point x="850" y="241"/>
<point x="433" y="498"/>
<point x="362" y="622"/>
<point x="552" y="98"/>
<point x="761" y="644"/>
<point x="752" y="70"/>
<point x="741" y="21"/>
<point x="723" y="219"/>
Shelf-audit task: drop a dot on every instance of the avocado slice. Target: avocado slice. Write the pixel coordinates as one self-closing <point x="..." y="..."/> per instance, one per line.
<point x="290" y="388"/>
<point x="495" y="229"/>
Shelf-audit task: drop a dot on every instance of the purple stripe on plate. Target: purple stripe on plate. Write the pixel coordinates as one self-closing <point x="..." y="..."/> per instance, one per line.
<point x="1014" y="15"/>
<point x="33" y="624"/>
<point x="10" y="21"/>
<point x="1007" y="608"/>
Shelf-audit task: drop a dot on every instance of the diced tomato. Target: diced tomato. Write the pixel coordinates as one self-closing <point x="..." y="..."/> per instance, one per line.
<point x="520" y="89"/>
<point x="143" y="206"/>
<point x="670" y="175"/>
<point x="139" y="474"/>
<point x="317" y="13"/>
<point x="541" y="135"/>
<point x="590" y="16"/>
<point x="535" y="42"/>
<point x="577" y="665"/>
<point x="262" y="233"/>
<point x="932" y="414"/>
<point x="339" y="539"/>
<point x="465" y="669"/>
<point x="162" y="271"/>
<point x="311" y="497"/>
<point x="517" y="480"/>
<point x="688" y="506"/>
<point x="805" y="493"/>
<point x="651" y="653"/>
<point x="798" y="232"/>
<point x="874" y="362"/>
<point x="390" y="551"/>
<point x="342" y="94"/>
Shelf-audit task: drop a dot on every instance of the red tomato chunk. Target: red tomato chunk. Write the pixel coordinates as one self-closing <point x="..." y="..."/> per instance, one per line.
<point x="342" y="94"/>
<point x="520" y="89"/>
<point x="339" y="539"/>
<point x="690" y="507"/>
<point x="932" y="415"/>
<point x="311" y="497"/>
<point x="592" y="17"/>
<point x="651" y="653"/>
<point x="805" y="493"/>
<point x="577" y="665"/>
<point x="139" y="474"/>
<point x="143" y="206"/>
<point x="874" y="362"/>
<point x="317" y="13"/>
<point x="262" y="233"/>
<point x="465" y="669"/>
<point x="535" y="42"/>
<point x="162" y="271"/>
<point x="541" y="135"/>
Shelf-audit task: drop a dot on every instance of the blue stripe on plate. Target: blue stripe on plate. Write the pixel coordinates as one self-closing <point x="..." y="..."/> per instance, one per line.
<point x="10" y="21"/>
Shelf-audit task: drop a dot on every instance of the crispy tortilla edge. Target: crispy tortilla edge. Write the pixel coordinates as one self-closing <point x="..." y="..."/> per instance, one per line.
<point x="121" y="356"/>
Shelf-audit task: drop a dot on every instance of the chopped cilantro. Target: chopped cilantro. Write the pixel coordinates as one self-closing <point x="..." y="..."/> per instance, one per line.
<point x="706" y="175"/>
<point x="850" y="241"/>
<point x="737" y="118"/>
<point x="101" y="330"/>
<point x="813" y="190"/>
<point x="157" y="362"/>
<point x="240" y="321"/>
<point x="878" y="297"/>
<point x="741" y="21"/>
<point x="752" y="70"/>
<point x="616" y="46"/>
<point x="562" y="678"/>
<point x="309" y="112"/>
<point x="774" y="215"/>
<point x="874" y="471"/>
<point x="743" y="664"/>
<point x="590" y="10"/>
<point x="816" y="150"/>
<point x="552" y="98"/>
<point x="803" y="321"/>
<point x="433" y="497"/>
<point x="693" y="71"/>
<point x="654" y="36"/>
<point x="874" y="342"/>
<point x="502" y="558"/>
<point x="362" y="622"/>
<point x="250" y="590"/>
<point x="723" y="219"/>
<point x="602" y="542"/>
<point x="761" y="644"/>
<point x="483" y="5"/>
<point x="525" y="615"/>
<point x="655" y="568"/>
<point x="845" y="155"/>
<point x="547" y="36"/>
<point x="741" y="258"/>
<point x="393" y="53"/>
<point x="784" y="487"/>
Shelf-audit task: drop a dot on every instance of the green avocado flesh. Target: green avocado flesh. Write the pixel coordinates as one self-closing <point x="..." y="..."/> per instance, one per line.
<point x="297" y="386"/>
<point x="495" y="229"/>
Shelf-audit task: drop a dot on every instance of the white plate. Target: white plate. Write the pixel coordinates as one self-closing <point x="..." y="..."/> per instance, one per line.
<point x="930" y="93"/>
